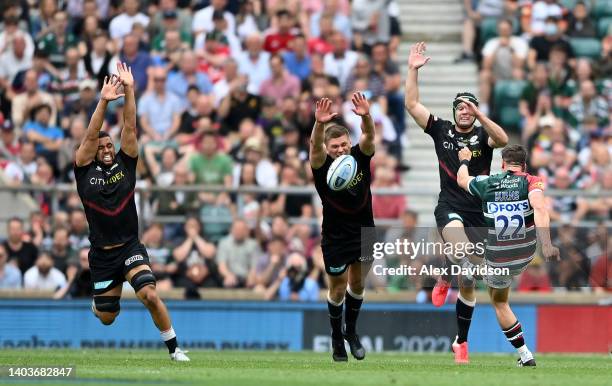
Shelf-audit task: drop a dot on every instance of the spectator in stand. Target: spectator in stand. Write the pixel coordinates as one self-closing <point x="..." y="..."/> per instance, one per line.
<point x="138" y="60"/>
<point x="236" y="257"/>
<point x="24" y="103"/>
<point x="10" y="146"/>
<point x="278" y="41"/>
<point x="322" y="45"/>
<point x="586" y="103"/>
<point x="98" y="60"/>
<point x="390" y="207"/>
<point x="255" y="153"/>
<point x="375" y="82"/>
<point x="503" y="58"/>
<point x="58" y="40"/>
<point x="370" y="22"/>
<point x="254" y="63"/>
<point x="238" y="105"/>
<point x="78" y="276"/>
<point x="160" y="255"/>
<point x="297" y="58"/>
<point x="295" y="282"/>
<point x="170" y="17"/>
<point x="70" y="77"/>
<point x="10" y="276"/>
<point x="23" y="168"/>
<point x="534" y="278"/>
<point x="210" y="166"/>
<point x="69" y="144"/>
<point x="159" y="111"/>
<point x="565" y="208"/>
<point x="47" y="137"/>
<point x="79" y="230"/>
<point x="292" y="205"/>
<point x="60" y="249"/>
<point x="179" y="81"/>
<point x="15" y="59"/>
<point x="541" y="45"/>
<point x="84" y="103"/>
<point x="388" y="70"/>
<point x="580" y="24"/>
<point x="340" y="62"/>
<point x="222" y="88"/>
<point x="281" y="83"/>
<point x="340" y="21"/>
<point x="43" y="276"/>
<point x="10" y="31"/>
<point x="122" y="24"/>
<point x="270" y="264"/>
<point x="177" y="203"/>
<point x="203" y="19"/>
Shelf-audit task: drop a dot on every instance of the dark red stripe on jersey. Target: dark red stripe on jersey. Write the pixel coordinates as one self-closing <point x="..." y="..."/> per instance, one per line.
<point x="109" y="212"/>
<point x="506" y="243"/>
<point x="429" y="122"/>
<point x="341" y="209"/>
<point x="447" y="170"/>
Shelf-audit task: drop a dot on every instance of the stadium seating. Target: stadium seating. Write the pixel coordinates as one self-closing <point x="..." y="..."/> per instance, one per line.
<point x="586" y="47"/>
<point x="506" y="95"/>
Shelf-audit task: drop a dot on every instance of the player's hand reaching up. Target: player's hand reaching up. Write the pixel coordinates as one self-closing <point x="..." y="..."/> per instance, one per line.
<point x="323" y="112"/>
<point x="465" y="154"/>
<point x="125" y="74"/>
<point x="417" y="58"/>
<point x="362" y="107"/>
<point x="472" y="108"/>
<point x="110" y="88"/>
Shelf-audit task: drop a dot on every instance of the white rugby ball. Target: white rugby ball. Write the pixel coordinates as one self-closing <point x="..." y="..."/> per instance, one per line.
<point x="341" y="172"/>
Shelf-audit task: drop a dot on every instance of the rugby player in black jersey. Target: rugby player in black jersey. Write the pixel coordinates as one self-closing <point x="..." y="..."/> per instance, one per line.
<point x="458" y="214"/>
<point x="345" y="213"/>
<point x="105" y="183"/>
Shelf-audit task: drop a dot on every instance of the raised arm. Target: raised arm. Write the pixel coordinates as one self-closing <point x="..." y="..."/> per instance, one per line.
<point x="129" y="140"/>
<point x="416" y="60"/>
<point x="463" y="174"/>
<point x="86" y="152"/>
<point x="497" y="135"/>
<point x="362" y="108"/>
<point x="317" y="137"/>
<point x="542" y="223"/>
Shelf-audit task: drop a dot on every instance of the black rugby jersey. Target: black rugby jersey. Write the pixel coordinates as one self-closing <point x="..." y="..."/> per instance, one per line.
<point x="448" y="141"/>
<point x="346" y="212"/>
<point x="107" y="194"/>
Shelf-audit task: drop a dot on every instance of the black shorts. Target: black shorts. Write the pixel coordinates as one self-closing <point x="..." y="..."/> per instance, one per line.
<point x="339" y="254"/>
<point x="473" y="222"/>
<point x="109" y="266"/>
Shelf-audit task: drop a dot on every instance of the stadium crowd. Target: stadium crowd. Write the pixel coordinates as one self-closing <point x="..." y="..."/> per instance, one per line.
<point x="225" y="97"/>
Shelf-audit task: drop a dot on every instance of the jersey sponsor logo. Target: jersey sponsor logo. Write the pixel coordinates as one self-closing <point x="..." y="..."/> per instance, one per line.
<point x="356" y="180"/>
<point x="481" y="178"/>
<point x="494" y="207"/>
<point x="110" y="180"/>
<point x="474" y="140"/>
<point x="133" y="259"/>
<point x="450" y="133"/>
<point x="102" y="284"/>
<point x="448" y="145"/>
<point x="538" y="185"/>
<point x="337" y="269"/>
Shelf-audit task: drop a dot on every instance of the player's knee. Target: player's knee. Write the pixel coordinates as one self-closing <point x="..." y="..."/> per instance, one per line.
<point x="107" y="308"/>
<point x="107" y="318"/>
<point x="336" y="293"/>
<point x="142" y="279"/>
<point x="356" y="287"/>
<point x="148" y="296"/>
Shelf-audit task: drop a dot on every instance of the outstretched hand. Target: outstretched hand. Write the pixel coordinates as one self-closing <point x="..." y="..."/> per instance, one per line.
<point x="323" y="112"/>
<point x="417" y="58"/>
<point x="551" y="253"/>
<point x="110" y="88"/>
<point x="125" y="74"/>
<point x="362" y="107"/>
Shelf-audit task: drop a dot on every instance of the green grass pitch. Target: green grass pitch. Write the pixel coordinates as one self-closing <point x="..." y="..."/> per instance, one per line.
<point x="153" y="367"/>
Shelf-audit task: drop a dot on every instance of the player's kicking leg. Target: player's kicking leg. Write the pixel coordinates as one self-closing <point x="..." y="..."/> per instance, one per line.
<point x="142" y="280"/>
<point x="510" y="325"/>
<point x="335" y="304"/>
<point x="354" y="299"/>
<point x="454" y="233"/>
